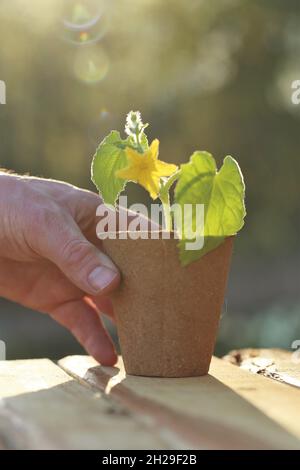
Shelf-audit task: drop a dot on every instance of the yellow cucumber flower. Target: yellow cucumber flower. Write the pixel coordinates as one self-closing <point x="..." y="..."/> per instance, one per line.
<point x="146" y="169"/>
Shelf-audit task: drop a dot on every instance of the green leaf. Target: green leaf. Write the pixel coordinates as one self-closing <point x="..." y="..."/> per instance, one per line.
<point x="110" y="156"/>
<point x="222" y="194"/>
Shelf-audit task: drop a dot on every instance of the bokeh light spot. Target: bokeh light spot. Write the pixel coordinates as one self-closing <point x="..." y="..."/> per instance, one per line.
<point x="84" y="36"/>
<point x="91" y="65"/>
<point x="84" y="22"/>
<point x="81" y="15"/>
<point x="104" y="113"/>
<point x="102" y="124"/>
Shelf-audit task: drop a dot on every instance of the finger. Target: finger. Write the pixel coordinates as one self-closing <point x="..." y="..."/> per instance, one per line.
<point x="85" y="324"/>
<point x="86" y="266"/>
<point x="85" y="208"/>
<point x="104" y="305"/>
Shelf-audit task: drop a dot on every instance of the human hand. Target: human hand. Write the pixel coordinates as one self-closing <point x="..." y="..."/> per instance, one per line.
<point x="51" y="259"/>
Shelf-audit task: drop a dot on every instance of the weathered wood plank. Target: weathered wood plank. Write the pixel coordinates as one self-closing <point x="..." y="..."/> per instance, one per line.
<point x="42" y="407"/>
<point x="275" y="364"/>
<point x="228" y="409"/>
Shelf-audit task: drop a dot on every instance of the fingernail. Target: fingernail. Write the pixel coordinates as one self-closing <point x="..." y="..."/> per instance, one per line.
<point x="106" y="261"/>
<point x="101" y="277"/>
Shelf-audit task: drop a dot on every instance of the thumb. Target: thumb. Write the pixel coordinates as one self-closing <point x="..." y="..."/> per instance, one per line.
<point x="85" y="265"/>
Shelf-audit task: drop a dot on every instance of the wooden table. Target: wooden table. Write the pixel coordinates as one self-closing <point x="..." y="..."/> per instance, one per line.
<point x="77" y="404"/>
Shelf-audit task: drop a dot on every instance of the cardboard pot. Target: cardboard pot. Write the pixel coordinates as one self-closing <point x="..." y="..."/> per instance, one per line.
<point x="167" y="315"/>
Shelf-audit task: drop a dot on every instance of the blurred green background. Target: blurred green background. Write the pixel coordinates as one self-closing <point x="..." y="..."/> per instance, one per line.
<point x="206" y="74"/>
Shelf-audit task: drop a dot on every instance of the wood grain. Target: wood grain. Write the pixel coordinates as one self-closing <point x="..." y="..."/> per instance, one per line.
<point x="228" y="409"/>
<point x="275" y="364"/>
<point x="42" y="407"/>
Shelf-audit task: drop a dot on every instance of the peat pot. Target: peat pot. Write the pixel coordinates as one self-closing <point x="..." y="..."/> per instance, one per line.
<point x="167" y="315"/>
